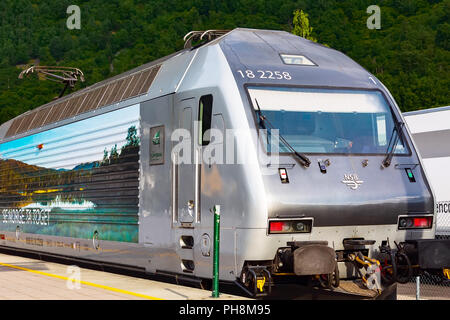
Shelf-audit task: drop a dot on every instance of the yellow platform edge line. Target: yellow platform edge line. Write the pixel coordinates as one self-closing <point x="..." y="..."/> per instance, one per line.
<point x="82" y="282"/>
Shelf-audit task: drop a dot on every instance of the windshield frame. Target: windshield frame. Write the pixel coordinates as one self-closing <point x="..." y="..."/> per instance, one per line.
<point x="397" y="121"/>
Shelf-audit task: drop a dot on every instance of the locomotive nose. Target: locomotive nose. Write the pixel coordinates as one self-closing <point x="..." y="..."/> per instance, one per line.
<point x="350" y="191"/>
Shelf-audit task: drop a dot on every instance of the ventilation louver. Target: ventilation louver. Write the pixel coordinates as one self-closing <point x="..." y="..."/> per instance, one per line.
<point x="95" y="97"/>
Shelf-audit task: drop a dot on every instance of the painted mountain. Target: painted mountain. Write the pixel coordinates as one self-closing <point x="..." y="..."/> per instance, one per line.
<point x="93" y="187"/>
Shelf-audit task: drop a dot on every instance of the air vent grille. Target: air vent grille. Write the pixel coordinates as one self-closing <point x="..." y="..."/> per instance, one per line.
<point x="94" y="97"/>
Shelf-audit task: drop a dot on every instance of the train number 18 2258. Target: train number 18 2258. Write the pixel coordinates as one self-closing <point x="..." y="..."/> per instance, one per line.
<point x="265" y="74"/>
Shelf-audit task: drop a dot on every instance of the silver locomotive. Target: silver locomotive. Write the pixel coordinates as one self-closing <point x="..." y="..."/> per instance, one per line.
<point x="304" y="150"/>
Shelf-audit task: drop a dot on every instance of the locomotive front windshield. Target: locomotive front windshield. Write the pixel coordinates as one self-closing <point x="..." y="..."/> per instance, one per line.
<point x="330" y="121"/>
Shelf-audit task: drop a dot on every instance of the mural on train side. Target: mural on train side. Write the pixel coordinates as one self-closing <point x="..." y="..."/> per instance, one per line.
<point x="73" y="180"/>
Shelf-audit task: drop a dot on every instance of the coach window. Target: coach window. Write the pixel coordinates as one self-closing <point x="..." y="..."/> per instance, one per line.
<point x="204" y="118"/>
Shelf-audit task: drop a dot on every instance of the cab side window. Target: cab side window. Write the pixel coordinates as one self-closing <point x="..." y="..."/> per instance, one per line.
<point x="204" y="118"/>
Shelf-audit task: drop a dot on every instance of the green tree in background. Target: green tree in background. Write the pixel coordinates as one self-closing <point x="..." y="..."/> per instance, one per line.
<point x="301" y="25"/>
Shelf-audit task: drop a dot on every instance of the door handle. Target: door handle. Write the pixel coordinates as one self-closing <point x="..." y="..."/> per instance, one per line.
<point x="174" y="187"/>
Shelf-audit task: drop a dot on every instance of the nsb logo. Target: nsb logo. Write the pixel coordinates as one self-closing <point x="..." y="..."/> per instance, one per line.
<point x="352" y="181"/>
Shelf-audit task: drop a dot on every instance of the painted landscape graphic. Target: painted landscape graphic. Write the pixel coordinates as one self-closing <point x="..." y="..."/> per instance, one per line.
<point x="74" y="180"/>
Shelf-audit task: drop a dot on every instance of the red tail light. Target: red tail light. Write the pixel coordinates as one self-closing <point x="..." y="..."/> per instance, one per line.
<point x="422" y="222"/>
<point x="276" y="226"/>
<point x="290" y="226"/>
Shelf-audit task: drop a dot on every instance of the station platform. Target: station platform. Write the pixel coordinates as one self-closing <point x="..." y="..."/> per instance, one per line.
<point x="23" y="278"/>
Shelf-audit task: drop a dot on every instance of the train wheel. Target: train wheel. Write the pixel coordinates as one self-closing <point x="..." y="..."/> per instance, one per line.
<point x="325" y="280"/>
<point x="335" y="277"/>
<point x="404" y="268"/>
<point x="246" y="278"/>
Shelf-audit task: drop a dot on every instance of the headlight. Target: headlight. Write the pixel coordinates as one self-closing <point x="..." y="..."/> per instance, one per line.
<point x="415" y="222"/>
<point x="300" y="226"/>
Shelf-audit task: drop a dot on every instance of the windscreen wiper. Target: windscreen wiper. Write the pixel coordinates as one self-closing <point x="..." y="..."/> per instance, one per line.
<point x="387" y="160"/>
<point x="304" y="160"/>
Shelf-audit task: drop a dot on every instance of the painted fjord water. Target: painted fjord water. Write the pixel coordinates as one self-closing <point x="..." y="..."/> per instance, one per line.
<point x="76" y="179"/>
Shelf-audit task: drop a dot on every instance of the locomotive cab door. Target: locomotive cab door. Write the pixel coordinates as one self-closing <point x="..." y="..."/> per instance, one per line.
<point x="194" y="133"/>
<point x="193" y="118"/>
<point x="184" y="200"/>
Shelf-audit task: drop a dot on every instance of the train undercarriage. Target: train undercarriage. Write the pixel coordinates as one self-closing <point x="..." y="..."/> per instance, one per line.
<point x="315" y="265"/>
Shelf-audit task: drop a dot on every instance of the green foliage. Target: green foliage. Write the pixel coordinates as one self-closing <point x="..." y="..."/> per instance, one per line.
<point x="114" y="155"/>
<point x="132" y="137"/>
<point x="410" y="53"/>
<point x="105" y="160"/>
<point x="301" y="25"/>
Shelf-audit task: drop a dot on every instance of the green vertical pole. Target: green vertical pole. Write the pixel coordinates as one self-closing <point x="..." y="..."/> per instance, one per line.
<point x="215" y="288"/>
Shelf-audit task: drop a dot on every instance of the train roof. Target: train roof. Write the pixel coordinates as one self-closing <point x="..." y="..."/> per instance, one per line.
<point x="243" y="48"/>
<point x="425" y="111"/>
<point x="263" y="50"/>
